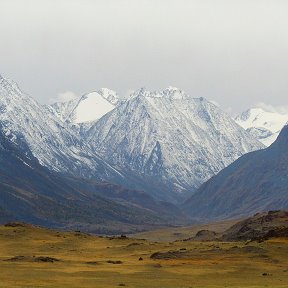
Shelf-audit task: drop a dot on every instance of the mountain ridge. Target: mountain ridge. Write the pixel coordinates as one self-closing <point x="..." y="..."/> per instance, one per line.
<point x="51" y="141"/>
<point x="166" y="136"/>
<point x="32" y="193"/>
<point x="255" y="182"/>
<point x="262" y="124"/>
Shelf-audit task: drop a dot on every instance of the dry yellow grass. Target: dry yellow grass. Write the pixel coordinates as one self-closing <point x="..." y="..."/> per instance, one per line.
<point x="84" y="262"/>
<point x="180" y="233"/>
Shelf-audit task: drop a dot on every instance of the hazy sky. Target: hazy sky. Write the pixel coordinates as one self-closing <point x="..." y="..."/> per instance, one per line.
<point x="234" y="52"/>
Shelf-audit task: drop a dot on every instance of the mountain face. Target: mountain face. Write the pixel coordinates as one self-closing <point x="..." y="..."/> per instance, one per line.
<point x="89" y="107"/>
<point x="171" y="140"/>
<point x="49" y="139"/>
<point x="32" y="193"/>
<point x="263" y="125"/>
<point x="256" y="182"/>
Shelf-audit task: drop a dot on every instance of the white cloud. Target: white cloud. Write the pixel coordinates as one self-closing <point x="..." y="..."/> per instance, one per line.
<point x="283" y="109"/>
<point x="64" y="97"/>
<point x="234" y="52"/>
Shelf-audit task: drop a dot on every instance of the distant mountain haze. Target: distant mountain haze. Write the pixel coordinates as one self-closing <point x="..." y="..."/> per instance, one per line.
<point x="261" y="124"/>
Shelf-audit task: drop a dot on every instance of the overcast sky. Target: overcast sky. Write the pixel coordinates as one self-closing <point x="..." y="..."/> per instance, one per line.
<point x="234" y="52"/>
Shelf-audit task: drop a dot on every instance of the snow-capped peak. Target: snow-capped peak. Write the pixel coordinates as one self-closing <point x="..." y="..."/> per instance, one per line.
<point x="50" y="140"/>
<point x="264" y="125"/>
<point x="169" y="137"/>
<point x="171" y="93"/>
<point x="110" y="95"/>
<point x="9" y="86"/>
<point x="249" y="115"/>
<point x="89" y="107"/>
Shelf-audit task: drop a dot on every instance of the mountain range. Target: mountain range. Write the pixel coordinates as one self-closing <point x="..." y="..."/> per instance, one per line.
<point x="173" y="140"/>
<point x="103" y="161"/>
<point x="31" y="192"/>
<point x="169" y="141"/>
<point x="51" y="141"/>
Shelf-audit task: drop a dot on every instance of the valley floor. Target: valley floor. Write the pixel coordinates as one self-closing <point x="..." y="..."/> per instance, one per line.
<point x="37" y="257"/>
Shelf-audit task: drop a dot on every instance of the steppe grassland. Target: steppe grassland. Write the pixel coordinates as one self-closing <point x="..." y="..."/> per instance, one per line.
<point x="91" y="261"/>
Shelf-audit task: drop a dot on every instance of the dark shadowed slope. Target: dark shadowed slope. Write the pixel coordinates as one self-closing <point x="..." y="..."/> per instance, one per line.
<point x="30" y="192"/>
<point x="257" y="181"/>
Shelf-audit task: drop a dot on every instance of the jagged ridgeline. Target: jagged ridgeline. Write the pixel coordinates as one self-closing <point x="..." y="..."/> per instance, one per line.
<point x="256" y="182"/>
<point x="168" y="141"/>
<point x="162" y="145"/>
<point x="262" y="124"/>
<point x="165" y="142"/>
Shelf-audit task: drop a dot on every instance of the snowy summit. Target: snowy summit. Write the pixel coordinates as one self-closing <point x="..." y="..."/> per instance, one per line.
<point x="89" y="107"/>
<point x="263" y="125"/>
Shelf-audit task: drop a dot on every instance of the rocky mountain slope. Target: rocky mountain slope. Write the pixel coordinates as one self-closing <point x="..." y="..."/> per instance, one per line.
<point x="260" y="226"/>
<point x="256" y="182"/>
<point x="32" y="193"/>
<point x="263" y="125"/>
<point x="50" y="140"/>
<point x="171" y="140"/>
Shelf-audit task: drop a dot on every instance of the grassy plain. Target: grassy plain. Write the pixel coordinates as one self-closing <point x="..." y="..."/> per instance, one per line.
<point x="91" y="261"/>
<point x="181" y="233"/>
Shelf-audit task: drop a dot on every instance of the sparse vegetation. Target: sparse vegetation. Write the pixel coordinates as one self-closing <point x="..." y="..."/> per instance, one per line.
<point x="29" y="258"/>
